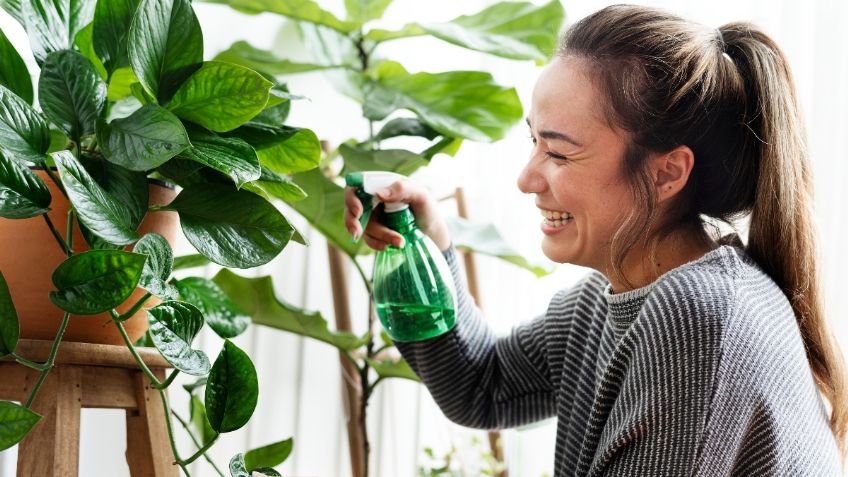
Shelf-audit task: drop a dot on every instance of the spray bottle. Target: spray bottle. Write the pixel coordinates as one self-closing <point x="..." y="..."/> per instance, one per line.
<point x="413" y="289"/>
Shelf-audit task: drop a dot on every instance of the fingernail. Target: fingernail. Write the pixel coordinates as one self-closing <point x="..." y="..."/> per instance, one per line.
<point x="399" y="242"/>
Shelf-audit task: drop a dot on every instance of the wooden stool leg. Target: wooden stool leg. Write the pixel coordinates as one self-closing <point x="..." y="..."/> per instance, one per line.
<point x="149" y="451"/>
<point x="52" y="447"/>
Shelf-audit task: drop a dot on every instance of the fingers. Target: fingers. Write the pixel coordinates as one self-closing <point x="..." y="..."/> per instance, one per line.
<point x="376" y="236"/>
<point x="379" y="237"/>
<point x="353" y="210"/>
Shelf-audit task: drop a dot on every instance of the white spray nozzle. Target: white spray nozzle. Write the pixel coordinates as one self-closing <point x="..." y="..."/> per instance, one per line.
<point x="371" y="182"/>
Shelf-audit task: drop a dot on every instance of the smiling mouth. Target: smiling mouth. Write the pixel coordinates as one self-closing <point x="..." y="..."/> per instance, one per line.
<point x="555" y="218"/>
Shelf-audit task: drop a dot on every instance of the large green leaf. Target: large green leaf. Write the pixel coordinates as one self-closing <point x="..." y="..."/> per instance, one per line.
<point x="393" y="368"/>
<point x="284" y="149"/>
<point x="85" y="43"/>
<point x="257" y="298"/>
<point x="274" y="115"/>
<point x="190" y="261"/>
<point x="165" y="45"/>
<point x="268" y="456"/>
<point x="71" y="92"/>
<point x="362" y="11"/>
<point x="232" y="228"/>
<point x="15" y="423"/>
<point x="52" y="25"/>
<point x="485" y="239"/>
<point x="173" y="326"/>
<point x="22" y="193"/>
<point x="221" y="96"/>
<point x="23" y="131"/>
<point x="457" y="103"/>
<point x="231" y="390"/>
<point x="324" y="209"/>
<point x="112" y="20"/>
<point x="272" y="185"/>
<point x="129" y="188"/>
<point x="222" y="314"/>
<point x="157" y="268"/>
<point x="242" y="53"/>
<point x="409" y="30"/>
<point x="405" y="127"/>
<point x="146" y="139"/>
<point x="237" y="467"/>
<point x="394" y="160"/>
<point x="120" y="85"/>
<point x="10" y="329"/>
<point x="197" y="411"/>
<point x="517" y="30"/>
<point x="305" y="10"/>
<point x="13" y="8"/>
<point x="13" y="71"/>
<point x="229" y="155"/>
<point x="96" y="208"/>
<point x="96" y="281"/>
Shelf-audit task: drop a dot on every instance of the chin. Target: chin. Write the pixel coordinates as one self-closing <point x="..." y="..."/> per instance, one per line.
<point x="555" y="253"/>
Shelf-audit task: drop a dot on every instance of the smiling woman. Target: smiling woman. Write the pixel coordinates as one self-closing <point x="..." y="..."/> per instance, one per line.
<point x="681" y="351"/>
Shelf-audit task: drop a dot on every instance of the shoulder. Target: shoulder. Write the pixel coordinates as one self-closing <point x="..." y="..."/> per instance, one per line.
<point x="583" y="294"/>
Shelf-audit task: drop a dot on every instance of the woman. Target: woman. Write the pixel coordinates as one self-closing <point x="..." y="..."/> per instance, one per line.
<point x="678" y="354"/>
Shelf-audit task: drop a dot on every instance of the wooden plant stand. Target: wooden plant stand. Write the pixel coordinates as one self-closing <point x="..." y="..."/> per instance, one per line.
<point x="92" y="376"/>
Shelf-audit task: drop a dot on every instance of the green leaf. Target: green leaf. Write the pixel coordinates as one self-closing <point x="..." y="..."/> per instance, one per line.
<point x="199" y="420"/>
<point x="157" y="268"/>
<point x="221" y="96"/>
<point x="222" y="314"/>
<point x="393" y="368"/>
<point x="362" y="11"/>
<point x="237" y="468"/>
<point x="257" y="298"/>
<point x="129" y="188"/>
<point x="52" y="25"/>
<point x="516" y="30"/>
<point x="13" y="71"/>
<point x="232" y="389"/>
<point x="95" y="208"/>
<point x="14" y="9"/>
<point x="146" y="139"/>
<point x="165" y="45"/>
<point x="9" y="325"/>
<point x="231" y="156"/>
<point x="274" y="115"/>
<point x="199" y="383"/>
<point x="324" y="209"/>
<point x="485" y="239"/>
<point x="271" y="185"/>
<point x="112" y="21"/>
<point x="304" y="10"/>
<point x="405" y="127"/>
<point x="456" y="103"/>
<point x="285" y="149"/>
<point x="15" y="423"/>
<point x="22" y="193"/>
<point x="120" y="86"/>
<point x="244" y="54"/>
<point x="71" y="92"/>
<point x="267" y="471"/>
<point x="23" y="131"/>
<point x="232" y="228"/>
<point x="173" y="326"/>
<point x="85" y="42"/>
<point x="190" y="261"/>
<point x="400" y="161"/>
<point x="96" y="281"/>
<point x="268" y="456"/>
<point x="410" y="30"/>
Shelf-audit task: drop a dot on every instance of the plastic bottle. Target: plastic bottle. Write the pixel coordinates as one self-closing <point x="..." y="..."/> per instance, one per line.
<point x="413" y="288"/>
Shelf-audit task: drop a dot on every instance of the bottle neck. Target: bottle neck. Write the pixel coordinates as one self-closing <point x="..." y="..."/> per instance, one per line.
<point x="401" y="221"/>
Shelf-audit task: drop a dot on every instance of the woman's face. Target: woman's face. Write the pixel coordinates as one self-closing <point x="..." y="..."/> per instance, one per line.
<point x="575" y="166"/>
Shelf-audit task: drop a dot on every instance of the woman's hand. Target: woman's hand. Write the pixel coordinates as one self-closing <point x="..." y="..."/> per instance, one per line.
<point x="420" y="201"/>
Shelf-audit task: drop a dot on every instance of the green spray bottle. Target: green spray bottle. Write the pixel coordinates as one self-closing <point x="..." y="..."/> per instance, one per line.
<point x="413" y="288"/>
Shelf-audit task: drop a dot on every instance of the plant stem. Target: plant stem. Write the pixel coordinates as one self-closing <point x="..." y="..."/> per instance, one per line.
<point x="365" y="279"/>
<point x="62" y="243"/>
<point x="31" y="364"/>
<point x="50" y="359"/>
<point x="171" y="378"/>
<point x="138" y="360"/>
<point x="125" y="316"/>
<point x="196" y="442"/>
<point x="69" y="232"/>
<point x="170" y="428"/>
<point x="202" y="450"/>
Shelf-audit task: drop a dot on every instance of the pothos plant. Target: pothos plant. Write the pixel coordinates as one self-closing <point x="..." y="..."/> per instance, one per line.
<point x="439" y="109"/>
<point x="124" y="95"/>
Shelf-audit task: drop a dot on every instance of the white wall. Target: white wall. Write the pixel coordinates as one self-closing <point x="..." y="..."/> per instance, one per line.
<point x="299" y="379"/>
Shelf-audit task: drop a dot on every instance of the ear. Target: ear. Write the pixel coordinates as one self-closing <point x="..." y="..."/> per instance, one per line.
<point x="671" y="171"/>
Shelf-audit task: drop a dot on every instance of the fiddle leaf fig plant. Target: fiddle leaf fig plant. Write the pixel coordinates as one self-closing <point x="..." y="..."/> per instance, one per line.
<point x="440" y="110"/>
<point x="124" y="96"/>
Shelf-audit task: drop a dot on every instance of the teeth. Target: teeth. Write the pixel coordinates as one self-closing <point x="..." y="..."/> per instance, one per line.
<point x="553" y="215"/>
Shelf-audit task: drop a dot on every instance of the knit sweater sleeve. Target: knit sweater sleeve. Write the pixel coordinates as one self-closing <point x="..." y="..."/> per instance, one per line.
<point x="484" y="381"/>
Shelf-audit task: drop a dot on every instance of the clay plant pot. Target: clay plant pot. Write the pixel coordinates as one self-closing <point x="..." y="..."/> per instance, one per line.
<point x="29" y="253"/>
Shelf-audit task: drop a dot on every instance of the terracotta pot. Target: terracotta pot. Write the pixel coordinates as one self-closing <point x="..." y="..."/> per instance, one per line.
<point x="29" y="253"/>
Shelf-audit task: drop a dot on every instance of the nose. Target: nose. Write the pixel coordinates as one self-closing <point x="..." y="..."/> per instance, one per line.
<point x="530" y="181"/>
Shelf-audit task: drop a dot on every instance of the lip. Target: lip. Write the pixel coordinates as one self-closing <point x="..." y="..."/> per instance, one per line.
<point x="548" y="230"/>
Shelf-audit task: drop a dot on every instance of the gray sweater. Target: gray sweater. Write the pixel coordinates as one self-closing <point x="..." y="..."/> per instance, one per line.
<point x="701" y="372"/>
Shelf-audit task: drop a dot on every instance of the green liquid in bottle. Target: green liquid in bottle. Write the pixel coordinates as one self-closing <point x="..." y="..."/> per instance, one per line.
<point x="413" y="287"/>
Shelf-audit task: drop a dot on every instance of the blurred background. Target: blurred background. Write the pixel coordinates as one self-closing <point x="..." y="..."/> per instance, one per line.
<point x="300" y="383"/>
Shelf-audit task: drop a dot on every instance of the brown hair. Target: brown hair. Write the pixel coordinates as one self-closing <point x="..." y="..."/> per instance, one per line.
<point x="727" y="94"/>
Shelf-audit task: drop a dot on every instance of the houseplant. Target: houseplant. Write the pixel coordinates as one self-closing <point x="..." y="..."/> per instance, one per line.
<point x="439" y="109"/>
<point x="125" y="97"/>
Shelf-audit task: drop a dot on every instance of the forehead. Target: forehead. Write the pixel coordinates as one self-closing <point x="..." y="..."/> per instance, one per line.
<point x="565" y="96"/>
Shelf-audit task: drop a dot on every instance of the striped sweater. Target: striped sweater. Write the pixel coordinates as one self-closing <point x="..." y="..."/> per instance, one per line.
<point x="701" y="372"/>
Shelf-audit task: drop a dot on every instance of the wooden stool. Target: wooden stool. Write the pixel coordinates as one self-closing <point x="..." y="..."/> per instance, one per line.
<point x="89" y="375"/>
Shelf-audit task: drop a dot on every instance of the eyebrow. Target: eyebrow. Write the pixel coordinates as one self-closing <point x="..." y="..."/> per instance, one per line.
<point x="556" y="135"/>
